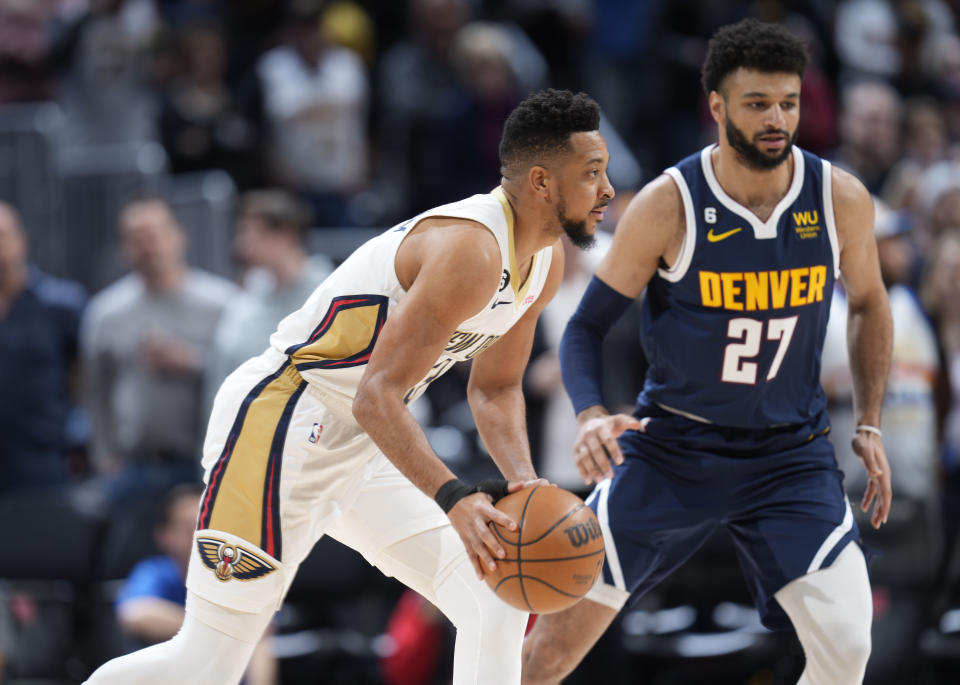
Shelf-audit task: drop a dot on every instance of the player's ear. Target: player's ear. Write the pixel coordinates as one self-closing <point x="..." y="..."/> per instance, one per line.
<point x="717" y="106"/>
<point x="539" y="179"/>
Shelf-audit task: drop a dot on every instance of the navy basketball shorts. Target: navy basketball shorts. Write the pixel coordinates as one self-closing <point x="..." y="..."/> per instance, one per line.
<point x="777" y="492"/>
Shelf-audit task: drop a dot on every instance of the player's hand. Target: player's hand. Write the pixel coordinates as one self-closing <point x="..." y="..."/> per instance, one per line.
<point x="471" y="517"/>
<point x="517" y="485"/>
<point x="596" y="444"/>
<point x="869" y="448"/>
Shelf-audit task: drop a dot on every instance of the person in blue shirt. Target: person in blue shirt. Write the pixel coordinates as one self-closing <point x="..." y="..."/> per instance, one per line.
<point x="150" y="605"/>
<point x="738" y="247"/>
<point x="39" y="327"/>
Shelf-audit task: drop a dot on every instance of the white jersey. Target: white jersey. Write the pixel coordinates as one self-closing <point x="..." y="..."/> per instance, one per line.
<point x="329" y="340"/>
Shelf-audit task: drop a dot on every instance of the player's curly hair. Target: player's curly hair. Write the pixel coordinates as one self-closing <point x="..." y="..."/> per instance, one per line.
<point x="541" y="125"/>
<point x="755" y="45"/>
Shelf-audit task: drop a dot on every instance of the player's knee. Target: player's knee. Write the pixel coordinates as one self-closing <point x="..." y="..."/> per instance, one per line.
<point x="545" y="661"/>
<point x="852" y="645"/>
<point x="470" y="606"/>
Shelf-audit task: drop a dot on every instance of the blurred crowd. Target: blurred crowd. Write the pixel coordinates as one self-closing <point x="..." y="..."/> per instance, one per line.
<point x="353" y="114"/>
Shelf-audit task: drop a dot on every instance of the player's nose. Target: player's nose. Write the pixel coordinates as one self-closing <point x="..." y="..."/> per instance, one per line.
<point x="606" y="190"/>
<point x="775" y="118"/>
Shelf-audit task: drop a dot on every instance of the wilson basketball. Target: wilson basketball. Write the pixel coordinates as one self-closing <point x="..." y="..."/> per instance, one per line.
<point x="554" y="556"/>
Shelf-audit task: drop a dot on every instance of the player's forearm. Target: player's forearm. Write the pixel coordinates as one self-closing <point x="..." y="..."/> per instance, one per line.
<point x="380" y="411"/>
<point x="500" y="415"/>
<point x="582" y="344"/>
<point x="869" y="340"/>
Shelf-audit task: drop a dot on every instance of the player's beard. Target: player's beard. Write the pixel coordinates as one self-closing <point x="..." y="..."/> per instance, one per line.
<point x="753" y="156"/>
<point x="575" y="230"/>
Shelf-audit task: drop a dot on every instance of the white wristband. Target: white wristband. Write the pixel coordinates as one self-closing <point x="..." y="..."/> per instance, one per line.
<point x="869" y="429"/>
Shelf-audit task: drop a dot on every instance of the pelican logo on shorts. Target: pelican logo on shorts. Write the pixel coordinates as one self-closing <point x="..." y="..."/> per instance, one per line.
<point x="232" y="561"/>
<point x="582" y="533"/>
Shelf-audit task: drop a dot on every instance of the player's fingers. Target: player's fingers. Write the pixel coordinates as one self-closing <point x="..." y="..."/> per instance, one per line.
<point x="586" y="465"/>
<point x="623" y="422"/>
<point x="886" y="499"/>
<point x="868" y="496"/>
<point x="500" y="518"/>
<point x="521" y="484"/>
<point x="482" y="552"/>
<point x="490" y="541"/>
<point x="599" y="455"/>
<point x="612" y="449"/>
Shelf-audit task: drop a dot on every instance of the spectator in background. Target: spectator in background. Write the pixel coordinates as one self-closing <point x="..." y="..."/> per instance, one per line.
<point x="937" y="203"/>
<point x="869" y="131"/>
<point x="925" y="144"/>
<point x="925" y="138"/>
<point x="417" y="87"/>
<point x="204" y="123"/>
<point x="39" y="323"/>
<point x="280" y="276"/>
<point x="24" y="45"/>
<point x="144" y="339"/>
<point x="315" y="97"/>
<point x="105" y="53"/>
<point x="941" y="297"/>
<point x="911" y="542"/>
<point x="149" y="607"/>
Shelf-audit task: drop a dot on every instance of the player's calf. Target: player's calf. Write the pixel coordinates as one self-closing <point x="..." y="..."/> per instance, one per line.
<point x="558" y="642"/>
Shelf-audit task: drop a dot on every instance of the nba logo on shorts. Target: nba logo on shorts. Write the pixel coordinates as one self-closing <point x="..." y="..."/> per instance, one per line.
<point x="315" y="433"/>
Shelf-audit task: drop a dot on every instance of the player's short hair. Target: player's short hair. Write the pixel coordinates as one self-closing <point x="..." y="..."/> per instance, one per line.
<point x="541" y="126"/>
<point x="278" y="209"/>
<point x="751" y="44"/>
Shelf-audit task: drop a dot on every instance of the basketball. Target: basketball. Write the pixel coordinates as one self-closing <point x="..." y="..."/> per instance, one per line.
<point x="554" y="556"/>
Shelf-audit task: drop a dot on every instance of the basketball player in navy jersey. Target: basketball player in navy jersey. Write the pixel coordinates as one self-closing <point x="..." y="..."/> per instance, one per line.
<point x="738" y="247"/>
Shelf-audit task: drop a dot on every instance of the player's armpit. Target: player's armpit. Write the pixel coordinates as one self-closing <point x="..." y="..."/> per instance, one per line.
<point x="504" y="363"/>
<point x="649" y="234"/>
<point x="495" y="390"/>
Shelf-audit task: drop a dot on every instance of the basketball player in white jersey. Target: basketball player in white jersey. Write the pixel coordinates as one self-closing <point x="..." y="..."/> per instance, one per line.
<point x="314" y="437"/>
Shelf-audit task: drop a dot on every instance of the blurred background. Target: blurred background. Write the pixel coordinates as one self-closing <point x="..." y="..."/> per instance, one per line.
<point x="178" y="175"/>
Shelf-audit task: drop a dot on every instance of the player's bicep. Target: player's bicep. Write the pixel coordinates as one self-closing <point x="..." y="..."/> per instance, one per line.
<point x="448" y="289"/>
<point x="859" y="263"/>
<point x="648" y="233"/>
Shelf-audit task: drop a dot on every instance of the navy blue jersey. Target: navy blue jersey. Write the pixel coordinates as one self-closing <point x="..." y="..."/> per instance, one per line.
<point x="733" y="331"/>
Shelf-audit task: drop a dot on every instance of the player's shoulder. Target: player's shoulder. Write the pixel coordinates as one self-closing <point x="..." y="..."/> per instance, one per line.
<point x="459" y="250"/>
<point x="848" y="190"/>
<point x="659" y="201"/>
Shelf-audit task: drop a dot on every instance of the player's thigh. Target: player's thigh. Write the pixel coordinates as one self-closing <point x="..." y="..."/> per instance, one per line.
<point x="400" y="530"/>
<point x="280" y="469"/>
<point x="794" y="527"/>
<point x="652" y="523"/>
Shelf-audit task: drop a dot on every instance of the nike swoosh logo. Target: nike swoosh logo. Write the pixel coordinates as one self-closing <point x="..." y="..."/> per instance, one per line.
<point x="494" y="305"/>
<point x="717" y="237"/>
